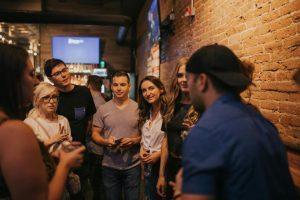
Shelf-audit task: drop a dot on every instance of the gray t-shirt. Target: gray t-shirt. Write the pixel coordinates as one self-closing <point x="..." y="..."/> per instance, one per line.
<point x="91" y="145"/>
<point x="120" y="123"/>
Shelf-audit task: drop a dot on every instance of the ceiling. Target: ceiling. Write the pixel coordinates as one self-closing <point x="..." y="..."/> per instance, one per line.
<point x="20" y="19"/>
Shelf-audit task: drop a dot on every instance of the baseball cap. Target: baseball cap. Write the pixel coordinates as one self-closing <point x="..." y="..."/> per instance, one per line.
<point x="220" y="62"/>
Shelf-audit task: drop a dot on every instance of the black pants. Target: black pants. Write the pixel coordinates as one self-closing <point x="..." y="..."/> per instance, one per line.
<point x="83" y="173"/>
<point x="172" y="168"/>
<point x="95" y="176"/>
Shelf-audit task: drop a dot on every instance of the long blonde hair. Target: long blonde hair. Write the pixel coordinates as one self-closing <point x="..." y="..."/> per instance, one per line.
<point x="175" y="92"/>
<point x="41" y="90"/>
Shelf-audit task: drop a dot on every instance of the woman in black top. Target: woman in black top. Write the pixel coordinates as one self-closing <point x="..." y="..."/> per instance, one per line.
<point x="181" y="116"/>
<point x="22" y="171"/>
<point x="22" y="174"/>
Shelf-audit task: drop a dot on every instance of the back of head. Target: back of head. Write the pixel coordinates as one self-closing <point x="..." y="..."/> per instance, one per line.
<point x="13" y="61"/>
<point x="50" y="64"/>
<point x="95" y="82"/>
<point x="222" y="66"/>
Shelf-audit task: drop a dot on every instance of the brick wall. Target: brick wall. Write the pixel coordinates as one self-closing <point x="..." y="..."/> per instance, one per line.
<point x="117" y="56"/>
<point x="263" y="32"/>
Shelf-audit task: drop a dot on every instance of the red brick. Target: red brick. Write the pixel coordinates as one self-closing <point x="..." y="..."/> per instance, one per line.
<point x="294" y="132"/>
<point x="271" y="95"/>
<point x="275" y="45"/>
<point x="272" y="116"/>
<point x="260" y="58"/>
<point x="292" y="43"/>
<point x="286" y="86"/>
<point x="255" y="50"/>
<point x="290" y="108"/>
<point x="286" y="32"/>
<point x="296" y="17"/>
<point x="261" y="10"/>
<point x="290" y="120"/>
<point x="281" y="23"/>
<point x="285" y="75"/>
<point x="292" y="63"/>
<point x="295" y="97"/>
<point x="267" y="38"/>
<point x="269" y="105"/>
<point x="277" y="3"/>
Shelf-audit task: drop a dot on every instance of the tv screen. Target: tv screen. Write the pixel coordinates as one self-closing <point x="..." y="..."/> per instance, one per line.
<point x="152" y="40"/>
<point x="76" y="49"/>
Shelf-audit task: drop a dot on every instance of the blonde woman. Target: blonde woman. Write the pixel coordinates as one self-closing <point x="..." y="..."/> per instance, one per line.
<point x="50" y="128"/>
<point x="53" y="130"/>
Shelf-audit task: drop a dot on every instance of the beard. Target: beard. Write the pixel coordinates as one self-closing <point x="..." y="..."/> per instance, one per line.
<point x="198" y="102"/>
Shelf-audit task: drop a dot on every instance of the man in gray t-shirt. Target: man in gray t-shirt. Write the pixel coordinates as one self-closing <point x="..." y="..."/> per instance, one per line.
<point x="115" y="126"/>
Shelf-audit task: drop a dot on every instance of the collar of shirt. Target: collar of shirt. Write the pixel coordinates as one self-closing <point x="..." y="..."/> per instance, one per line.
<point x="157" y="119"/>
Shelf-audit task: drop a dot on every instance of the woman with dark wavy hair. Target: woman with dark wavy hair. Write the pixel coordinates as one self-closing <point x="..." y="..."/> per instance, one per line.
<point x="180" y="117"/>
<point x="153" y="108"/>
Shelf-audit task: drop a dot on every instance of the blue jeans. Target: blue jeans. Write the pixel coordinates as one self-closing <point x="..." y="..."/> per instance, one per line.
<point x="150" y="183"/>
<point x="116" y="181"/>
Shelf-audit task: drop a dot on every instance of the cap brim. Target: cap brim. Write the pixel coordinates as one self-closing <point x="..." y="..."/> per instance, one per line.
<point x="235" y="79"/>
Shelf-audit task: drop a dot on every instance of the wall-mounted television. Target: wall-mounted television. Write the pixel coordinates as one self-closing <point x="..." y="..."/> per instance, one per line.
<point x="153" y="39"/>
<point x="85" y="50"/>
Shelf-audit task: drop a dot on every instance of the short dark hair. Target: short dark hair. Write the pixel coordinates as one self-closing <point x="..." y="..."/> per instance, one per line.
<point x="50" y="64"/>
<point x="119" y="74"/>
<point x="13" y="61"/>
<point x="95" y="81"/>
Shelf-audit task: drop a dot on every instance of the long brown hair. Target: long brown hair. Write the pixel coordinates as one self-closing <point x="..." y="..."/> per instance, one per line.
<point x="145" y="107"/>
<point x="175" y="92"/>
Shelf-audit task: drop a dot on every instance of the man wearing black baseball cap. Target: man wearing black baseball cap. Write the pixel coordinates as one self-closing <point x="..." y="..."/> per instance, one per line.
<point x="233" y="152"/>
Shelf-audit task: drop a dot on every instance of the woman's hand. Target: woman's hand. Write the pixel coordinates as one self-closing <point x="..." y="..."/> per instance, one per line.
<point x="72" y="158"/>
<point x="160" y="186"/>
<point x="60" y="136"/>
<point x="177" y="186"/>
<point x="143" y="154"/>
<point x="152" y="158"/>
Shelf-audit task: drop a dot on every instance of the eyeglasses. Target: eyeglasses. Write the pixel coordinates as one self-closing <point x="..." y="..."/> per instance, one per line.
<point x="47" y="99"/>
<point x="59" y="73"/>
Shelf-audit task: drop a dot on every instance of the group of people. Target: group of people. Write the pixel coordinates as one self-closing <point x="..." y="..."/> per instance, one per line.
<point x="198" y="141"/>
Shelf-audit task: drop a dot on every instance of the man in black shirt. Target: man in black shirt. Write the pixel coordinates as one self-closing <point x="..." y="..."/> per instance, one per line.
<point x="75" y="103"/>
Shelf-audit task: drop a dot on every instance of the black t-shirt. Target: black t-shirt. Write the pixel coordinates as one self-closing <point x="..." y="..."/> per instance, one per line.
<point x="174" y="128"/>
<point x="78" y="107"/>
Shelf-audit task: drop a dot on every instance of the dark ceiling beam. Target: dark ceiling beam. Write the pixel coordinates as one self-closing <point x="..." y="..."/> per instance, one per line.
<point x="64" y="18"/>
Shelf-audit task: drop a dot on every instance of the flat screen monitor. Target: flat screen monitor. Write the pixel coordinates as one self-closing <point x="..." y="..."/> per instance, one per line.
<point x="84" y="50"/>
<point x="152" y="40"/>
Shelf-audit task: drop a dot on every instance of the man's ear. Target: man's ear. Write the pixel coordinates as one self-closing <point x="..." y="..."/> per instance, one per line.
<point x="201" y="82"/>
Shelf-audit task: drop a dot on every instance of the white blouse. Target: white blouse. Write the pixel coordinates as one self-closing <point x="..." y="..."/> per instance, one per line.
<point x="152" y="135"/>
<point x="44" y="129"/>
